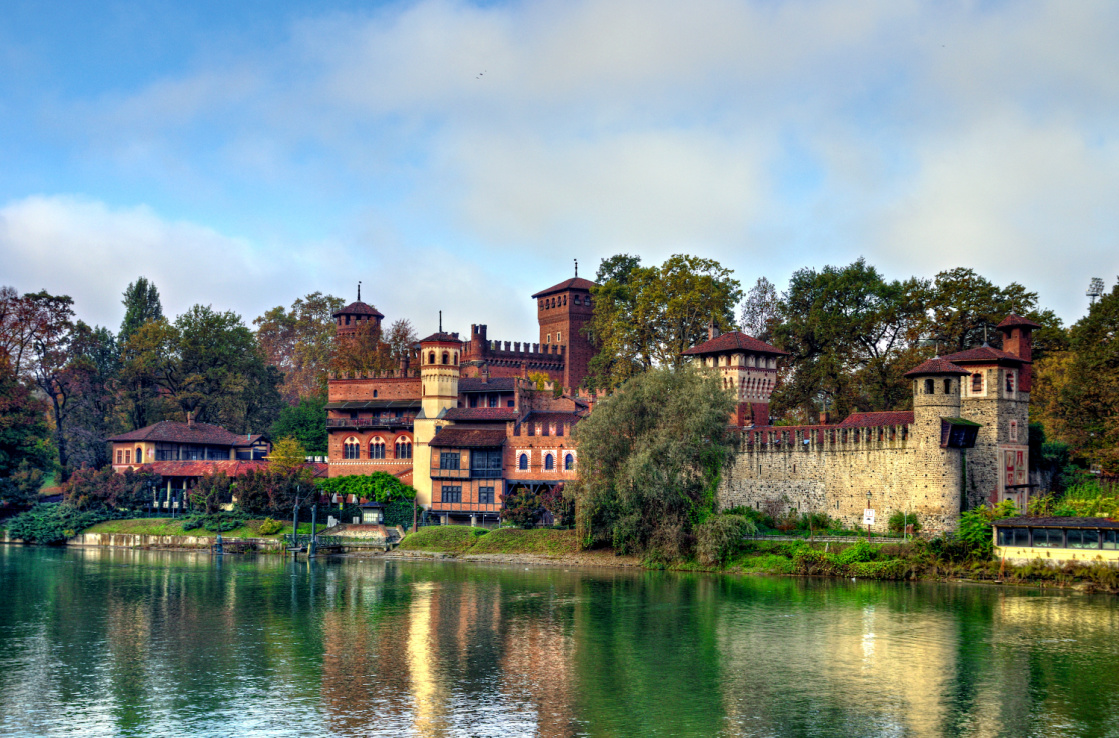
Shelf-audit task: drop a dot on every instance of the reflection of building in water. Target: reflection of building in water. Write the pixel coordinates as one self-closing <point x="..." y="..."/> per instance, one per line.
<point x="538" y="668"/>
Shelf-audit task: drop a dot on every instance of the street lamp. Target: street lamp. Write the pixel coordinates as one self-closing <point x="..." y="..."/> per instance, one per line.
<point x="867" y="516"/>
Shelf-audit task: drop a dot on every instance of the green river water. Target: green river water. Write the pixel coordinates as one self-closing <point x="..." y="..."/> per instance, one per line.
<point x="99" y="642"/>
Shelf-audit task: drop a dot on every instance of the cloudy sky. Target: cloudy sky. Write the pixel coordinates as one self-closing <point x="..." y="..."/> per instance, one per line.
<point x="458" y="156"/>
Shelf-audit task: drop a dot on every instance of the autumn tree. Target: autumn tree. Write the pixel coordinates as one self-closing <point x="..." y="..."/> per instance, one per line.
<point x="364" y="350"/>
<point x="287" y="455"/>
<point x="93" y="375"/>
<point x="402" y="339"/>
<point x="300" y="343"/>
<point x="24" y="438"/>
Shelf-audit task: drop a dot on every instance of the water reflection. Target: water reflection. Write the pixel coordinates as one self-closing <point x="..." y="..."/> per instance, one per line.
<point x="131" y="643"/>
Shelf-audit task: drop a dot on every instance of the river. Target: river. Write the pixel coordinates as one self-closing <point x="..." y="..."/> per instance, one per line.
<point x="110" y="642"/>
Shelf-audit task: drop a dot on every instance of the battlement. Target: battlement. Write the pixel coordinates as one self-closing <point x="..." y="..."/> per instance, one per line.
<point x="389" y="374"/>
<point x="822" y="437"/>
<point x="481" y="349"/>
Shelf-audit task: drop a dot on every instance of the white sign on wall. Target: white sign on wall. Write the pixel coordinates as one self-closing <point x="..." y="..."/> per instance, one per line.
<point x="868" y="517"/>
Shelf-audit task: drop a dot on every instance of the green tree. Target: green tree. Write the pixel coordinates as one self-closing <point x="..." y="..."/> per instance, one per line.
<point x="402" y="338"/>
<point x="651" y="456"/>
<point x="287" y="455"/>
<point x="646" y="317"/>
<point x="24" y="437"/>
<point x="965" y="308"/>
<point x="49" y="365"/>
<point x="21" y="488"/>
<point x="761" y="310"/>
<point x="94" y="373"/>
<point x="306" y="422"/>
<point x="141" y="305"/>
<point x="300" y="342"/>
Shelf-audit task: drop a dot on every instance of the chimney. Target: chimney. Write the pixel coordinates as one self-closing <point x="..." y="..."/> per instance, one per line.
<point x="190" y="418"/>
<point x="825" y="418"/>
<point x="712" y="331"/>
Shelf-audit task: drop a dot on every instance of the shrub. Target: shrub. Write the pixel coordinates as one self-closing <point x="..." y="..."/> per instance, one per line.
<point x="211" y="491"/>
<point x="91" y="489"/>
<point x="270" y="527"/>
<point x="900" y="519"/>
<point x="523" y="509"/>
<point x="559" y="505"/>
<point x="56" y="522"/>
<point x="720" y="537"/>
<point x="975" y="527"/>
<point x="815" y="521"/>
<point x="22" y="488"/>
<point x="757" y="517"/>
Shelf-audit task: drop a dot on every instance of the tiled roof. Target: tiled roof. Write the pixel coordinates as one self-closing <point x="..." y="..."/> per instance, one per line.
<point x="375" y="404"/>
<point x="170" y="431"/>
<point x="1013" y="320"/>
<point x="734" y="341"/>
<point x="357" y="308"/>
<point x="495" y="384"/>
<point x="553" y="417"/>
<point x="871" y="420"/>
<point x="936" y="366"/>
<point x="404" y="476"/>
<point x="575" y="283"/>
<point x="489" y="414"/>
<point x="230" y="467"/>
<point x="452" y="437"/>
<point x="442" y="338"/>
<point x="1023" y="522"/>
<point x="984" y="354"/>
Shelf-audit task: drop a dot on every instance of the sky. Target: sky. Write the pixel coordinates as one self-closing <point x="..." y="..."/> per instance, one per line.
<point x="459" y="156"/>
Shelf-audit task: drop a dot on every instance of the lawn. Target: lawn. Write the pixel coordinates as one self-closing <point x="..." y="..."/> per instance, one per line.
<point x="444" y="538"/>
<point x="519" y="541"/>
<point x="174" y="527"/>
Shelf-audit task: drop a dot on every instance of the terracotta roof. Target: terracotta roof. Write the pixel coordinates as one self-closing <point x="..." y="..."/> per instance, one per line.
<point x="984" y="355"/>
<point x="1013" y="320"/>
<point x="231" y="468"/>
<point x="553" y="417"/>
<point x="1051" y="522"/>
<point x="442" y="338"/>
<point x="734" y="341"/>
<point x="357" y="308"/>
<point x="489" y="414"/>
<point x="495" y="384"/>
<point x="871" y="420"/>
<point x="936" y="366"/>
<point x="404" y="476"/>
<point x="170" y="431"/>
<point x="575" y="283"/>
<point x="451" y="437"/>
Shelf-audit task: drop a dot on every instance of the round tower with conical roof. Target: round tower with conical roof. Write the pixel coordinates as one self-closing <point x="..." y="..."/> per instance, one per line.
<point x="938" y="467"/>
<point x="440" y="358"/>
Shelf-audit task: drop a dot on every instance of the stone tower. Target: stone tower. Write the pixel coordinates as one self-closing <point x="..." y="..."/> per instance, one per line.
<point x="350" y="319"/>
<point x="440" y="355"/>
<point x="747" y="367"/>
<point x="937" y="468"/>
<point x="996" y="394"/>
<point x="562" y="311"/>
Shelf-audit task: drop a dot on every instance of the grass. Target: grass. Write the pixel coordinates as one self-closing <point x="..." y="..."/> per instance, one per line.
<point x="444" y="538"/>
<point x="174" y="527"/>
<point x="537" y="541"/>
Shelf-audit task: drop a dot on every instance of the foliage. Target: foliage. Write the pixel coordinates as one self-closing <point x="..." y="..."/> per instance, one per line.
<point x="95" y="411"/>
<point x="646" y="317"/>
<point x="560" y="504"/>
<point x="378" y="486"/>
<point x="287" y="455"/>
<point x="757" y="517"/>
<point x="540" y="379"/>
<point x="215" y="522"/>
<point x="300" y="344"/>
<point x="860" y="560"/>
<point x="975" y="528"/>
<point x="24" y="437"/>
<point x="95" y="489"/>
<point x="449" y="538"/>
<point x="720" y="537"/>
<point x="141" y="305"/>
<point x="651" y="456"/>
<point x="210" y="492"/>
<point x="966" y="307"/>
<point x="305" y="422"/>
<point x="21" y="488"/>
<point x="900" y="519"/>
<point x="364" y="350"/>
<point x="55" y="523"/>
<point x="273" y="491"/>
<point x="401" y="338"/>
<point x="270" y="527"/>
<point x="546" y="541"/>
<point x="761" y="310"/>
<point x="523" y="508"/>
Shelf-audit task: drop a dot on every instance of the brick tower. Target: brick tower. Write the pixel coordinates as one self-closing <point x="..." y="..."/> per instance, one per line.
<point x="351" y="318"/>
<point x="562" y="311"/>
<point x="440" y="355"/>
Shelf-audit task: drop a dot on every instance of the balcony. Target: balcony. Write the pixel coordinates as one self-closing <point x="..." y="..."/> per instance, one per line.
<point x="406" y="422"/>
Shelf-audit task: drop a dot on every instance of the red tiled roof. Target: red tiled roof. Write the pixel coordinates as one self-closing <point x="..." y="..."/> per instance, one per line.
<point x="984" y="355"/>
<point x="734" y="341"/>
<point x="452" y="437"/>
<point x="553" y="417"/>
<point x="870" y="420"/>
<point x="170" y="431"/>
<point x="230" y="467"/>
<point x="404" y="476"/>
<point x="490" y="414"/>
<point x="936" y="366"/>
<point x="495" y="384"/>
<point x="442" y="338"/>
<point x="575" y="283"/>
<point x="1013" y="320"/>
<point x="357" y="308"/>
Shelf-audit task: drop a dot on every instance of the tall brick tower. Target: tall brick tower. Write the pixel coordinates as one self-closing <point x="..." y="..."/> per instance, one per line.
<point x="440" y="355"/>
<point x="351" y="318"/>
<point x="562" y="310"/>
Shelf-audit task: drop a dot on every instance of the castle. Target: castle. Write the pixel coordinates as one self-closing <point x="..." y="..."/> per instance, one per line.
<point x="461" y="422"/>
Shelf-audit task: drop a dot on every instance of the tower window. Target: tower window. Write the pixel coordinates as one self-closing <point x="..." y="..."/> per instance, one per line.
<point x="446" y="358"/>
<point x="1010" y="383"/>
<point x="522" y="462"/>
<point x="578" y="301"/>
<point x="947" y="386"/>
<point x="549" y="462"/>
<point x="977" y="384"/>
<point x="930" y="388"/>
<point x="403" y="448"/>
<point x="431" y="358"/>
<point x="548" y="339"/>
<point x="569" y="462"/>
<point x="351" y="449"/>
<point x="559" y="336"/>
<point x="377" y="448"/>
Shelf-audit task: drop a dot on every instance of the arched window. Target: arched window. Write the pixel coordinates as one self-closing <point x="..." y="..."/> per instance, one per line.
<point x="549" y="462"/>
<point x="454" y="358"/>
<point x="403" y="448"/>
<point x="929" y="388"/>
<point x="947" y="386"/>
<point x="374" y="393"/>
<point x="377" y="448"/>
<point x="431" y="358"/>
<point x="446" y="357"/>
<point x="559" y="336"/>
<point x="139" y="455"/>
<point x="351" y="449"/>
<point x="522" y="462"/>
<point x="568" y="462"/>
<point x="548" y="338"/>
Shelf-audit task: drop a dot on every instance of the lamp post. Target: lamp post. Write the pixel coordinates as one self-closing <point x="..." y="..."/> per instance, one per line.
<point x="295" y="521"/>
<point x="868" y="512"/>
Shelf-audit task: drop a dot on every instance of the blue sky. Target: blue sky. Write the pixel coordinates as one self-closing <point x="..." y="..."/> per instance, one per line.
<point x="458" y="156"/>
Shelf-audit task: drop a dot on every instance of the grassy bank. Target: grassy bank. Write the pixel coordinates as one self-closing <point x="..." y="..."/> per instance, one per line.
<point x="174" y="527"/>
<point x="460" y="539"/>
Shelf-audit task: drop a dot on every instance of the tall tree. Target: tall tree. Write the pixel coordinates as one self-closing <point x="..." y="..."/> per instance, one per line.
<point x="49" y="364"/>
<point x="141" y="305"/>
<point x="761" y="310"/>
<point x="306" y="422"/>
<point x="402" y="338"/>
<point x="364" y="350"/>
<point x="24" y="437"/>
<point x="300" y="343"/>
<point x="965" y="308"/>
<point x="94" y="373"/>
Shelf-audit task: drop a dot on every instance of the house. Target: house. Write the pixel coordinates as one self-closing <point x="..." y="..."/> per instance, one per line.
<point x="1056" y="541"/>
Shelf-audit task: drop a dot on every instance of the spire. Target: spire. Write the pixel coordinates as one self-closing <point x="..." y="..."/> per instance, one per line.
<point x="984" y="334"/>
<point x="576" y="267"/>
<point x="359" y="291"/>
<point x="440" y="321"/>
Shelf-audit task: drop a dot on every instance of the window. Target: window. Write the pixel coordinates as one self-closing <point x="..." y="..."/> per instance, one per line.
<point x="449" y="460"/>
<point x="377" y="448"/>
<point x="977" y="384"/>
<point x="120" y="456"/>
<point x="1014" y="537"/>
<point x="446" y="358"/>
<point x="547" y="339"/>
<point x="128" y="457"/>
<point x="485" y="496"/>
<point x="485" y="464"/>
<point x="578" y="300"/>
<point x="947" y="386"/>
<point x="374" y="393"/>
<point x="522" y="462"/>
<point x="431" y="358"/>
<point x="351" y="449"/>
<point x="493" y="401"/>
<point x="569" y="462"/>
<point x="549" y="462"/>
<point x="1048" y="538"/>
<point x="1014" y="430"/>
<point x="1083" y="539"/>
<point x="473" y="401"/>
<point x="452" y="493"/>
<point x="587" y="300"/>
<point x="1010" y="383"/>
<point x="403" y="448"/>
<point x="559" y="336"/>
<point x="1110" y="539"/>
<point x="508" y="403"/>
<point x="929" y="388"/>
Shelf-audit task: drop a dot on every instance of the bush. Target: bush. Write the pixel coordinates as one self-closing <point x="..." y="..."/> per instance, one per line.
<point x="272" y="491"/>
<point x="375" y="487"/>
<point x="815" y="521"/>
<point x="757" y="517"/>
<point x="219" y="522"/>
<point x="22" y="488"/>
<point x="90" y="489"/>
<point x="720" y="537"/>
<point x="900" y="519"/>
<point x="270" y="527"/>
<point x="55" y="523"/>
<point x="523" y="509"/>
<point x="559" y="505"/>
<point x="210" y="493"/>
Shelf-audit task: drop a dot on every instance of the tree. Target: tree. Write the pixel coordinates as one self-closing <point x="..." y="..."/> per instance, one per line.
<point x="21" y="488"/>
<point x="761" y="310"/>
<point x="49" y="364"/>
<point x="300" y="343"/>
<point x="523" y="508"/>
<point x="24" y="438"/>
<point x="287" y="455"/>
<point x="306" y="422"/>
<point x="141" y="305"/>
<point x="402" y="338"/>
<point x="95" y="489"/>
<point x="364" y="350"/>
<point x="94" y="372"/>
<point x="651" y="457"/>
<point x="210" y="492"/>
<point x="965" y="308"/>
<point x="648" y="316"/>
